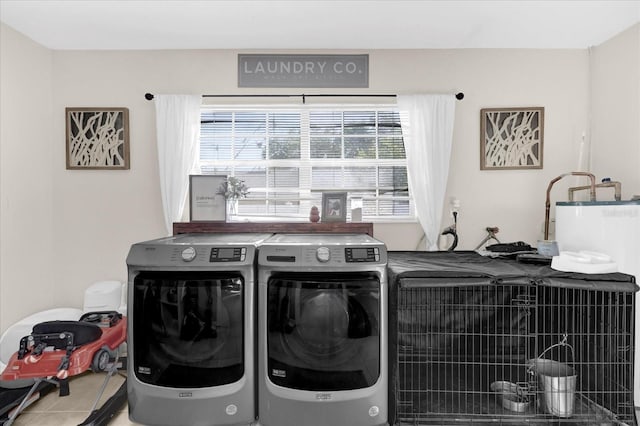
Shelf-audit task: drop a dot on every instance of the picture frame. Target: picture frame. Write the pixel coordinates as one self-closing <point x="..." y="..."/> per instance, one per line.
<point x="97" y="138"/>
<point x="334" y="207"/>
<point x="205" y="203"/>
<point x="511" y="138"/>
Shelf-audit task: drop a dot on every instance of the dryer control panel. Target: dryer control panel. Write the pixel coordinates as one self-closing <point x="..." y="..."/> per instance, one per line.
<point x="216" y="254"/>
<point x="228" y="254"/>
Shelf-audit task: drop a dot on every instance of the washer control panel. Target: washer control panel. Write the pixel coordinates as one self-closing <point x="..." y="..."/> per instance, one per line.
<point x="322" y="251"/>
<point x="361" y="254"/>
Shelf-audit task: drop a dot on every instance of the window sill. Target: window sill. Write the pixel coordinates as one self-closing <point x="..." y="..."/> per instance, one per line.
<point x="276" y="219"/>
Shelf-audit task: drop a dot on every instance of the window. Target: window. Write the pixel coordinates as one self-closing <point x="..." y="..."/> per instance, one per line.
<point x="288" y="157"/>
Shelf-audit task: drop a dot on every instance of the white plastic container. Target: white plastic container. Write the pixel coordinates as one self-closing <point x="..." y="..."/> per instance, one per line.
<point x="103" y="296"/>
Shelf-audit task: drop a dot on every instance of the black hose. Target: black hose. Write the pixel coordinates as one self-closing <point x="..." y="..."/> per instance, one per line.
<point x="453" y="231"/>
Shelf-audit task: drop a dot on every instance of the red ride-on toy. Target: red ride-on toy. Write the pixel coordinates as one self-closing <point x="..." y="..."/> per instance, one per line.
<point x="57" y="350"/>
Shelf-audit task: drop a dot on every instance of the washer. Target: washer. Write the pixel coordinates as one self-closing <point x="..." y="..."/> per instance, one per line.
<point x="322" y="358"/>
<point x="191" y="330"/>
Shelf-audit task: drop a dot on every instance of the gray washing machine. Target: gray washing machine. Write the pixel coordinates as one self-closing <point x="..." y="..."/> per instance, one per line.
<point x="191" y="330"/>
<point x="322" y="320"/>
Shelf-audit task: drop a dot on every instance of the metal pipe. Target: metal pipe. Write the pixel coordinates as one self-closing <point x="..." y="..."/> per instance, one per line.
<point x="491" y="235"/>
<point x="547" y="205"/>
<point x="616" y="185"/>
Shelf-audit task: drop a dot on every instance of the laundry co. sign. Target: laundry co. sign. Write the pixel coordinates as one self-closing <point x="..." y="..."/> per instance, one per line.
<point x="303" y="70"/>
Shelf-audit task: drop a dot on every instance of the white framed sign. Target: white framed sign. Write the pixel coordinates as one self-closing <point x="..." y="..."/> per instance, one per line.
<point x="278" y="70"/>
<point x="205" y="202"/>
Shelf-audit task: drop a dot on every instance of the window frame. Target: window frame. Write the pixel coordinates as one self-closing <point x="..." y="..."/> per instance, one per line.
<point x="305" y="165"/>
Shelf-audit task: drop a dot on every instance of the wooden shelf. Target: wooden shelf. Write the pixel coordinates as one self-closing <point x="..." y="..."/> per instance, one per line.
<point x="275" y="227"/>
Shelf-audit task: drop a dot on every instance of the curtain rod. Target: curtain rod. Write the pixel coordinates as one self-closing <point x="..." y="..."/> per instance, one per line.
<point x="149" y="96"/>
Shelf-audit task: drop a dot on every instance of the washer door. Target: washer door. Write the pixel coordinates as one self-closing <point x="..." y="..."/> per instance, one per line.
<point x="188" y="328"/>
<point x="324" y="332"/>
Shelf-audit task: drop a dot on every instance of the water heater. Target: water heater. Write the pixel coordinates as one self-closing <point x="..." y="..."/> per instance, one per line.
<point x="609" y="227"/>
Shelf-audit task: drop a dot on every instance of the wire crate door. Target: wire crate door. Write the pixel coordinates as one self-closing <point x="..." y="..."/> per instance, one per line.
<point x="457" y="337"/>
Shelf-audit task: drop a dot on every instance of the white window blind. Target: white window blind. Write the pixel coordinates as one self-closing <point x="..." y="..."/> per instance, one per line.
<point x="289" y="157"/>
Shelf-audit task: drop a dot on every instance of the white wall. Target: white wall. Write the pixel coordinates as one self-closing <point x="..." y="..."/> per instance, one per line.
<point x="27" y="281"/>
<point x="97" y="215"/>
<point x="615" y="110"/>
<point x="510" y="200"/>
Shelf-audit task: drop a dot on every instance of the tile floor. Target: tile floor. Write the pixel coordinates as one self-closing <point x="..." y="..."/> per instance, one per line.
<point x="53" y="410"/>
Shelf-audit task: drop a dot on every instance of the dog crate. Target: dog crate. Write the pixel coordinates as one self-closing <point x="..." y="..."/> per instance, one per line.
<point x="494" y="341"/>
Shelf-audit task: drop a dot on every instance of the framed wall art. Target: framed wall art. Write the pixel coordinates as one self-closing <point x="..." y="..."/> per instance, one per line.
<point x="97" y="138"/>
<point x="511" y="138"/>
<point x="206" y="203"/>
<point x="334" y="207"/>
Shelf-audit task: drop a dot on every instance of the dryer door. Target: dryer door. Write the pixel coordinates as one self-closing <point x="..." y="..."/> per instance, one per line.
<point x="324" y="331"/>
<point x="188" y="328"/>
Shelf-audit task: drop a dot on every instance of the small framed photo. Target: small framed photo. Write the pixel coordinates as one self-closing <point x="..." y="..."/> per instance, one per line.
<point x="511" y="138"/>
<point x="205" y="201"/>
<point x="334" y="207"/>
<point x="97" y="138"/>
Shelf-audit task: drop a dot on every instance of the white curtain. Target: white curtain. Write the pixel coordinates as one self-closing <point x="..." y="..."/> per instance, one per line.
<point x="427" y="130"/>
<point x="178" y="133"/>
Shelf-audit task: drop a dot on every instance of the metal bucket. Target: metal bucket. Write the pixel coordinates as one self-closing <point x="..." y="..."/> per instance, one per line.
<point x="557" y="382"/>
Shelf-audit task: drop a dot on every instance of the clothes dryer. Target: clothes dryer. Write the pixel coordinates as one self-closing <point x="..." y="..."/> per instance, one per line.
<point x="322" y="330"/>
<point x="191" y="330"/>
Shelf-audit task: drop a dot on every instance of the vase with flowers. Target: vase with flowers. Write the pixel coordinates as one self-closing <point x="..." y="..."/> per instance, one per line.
<point x="233" y="189"/>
